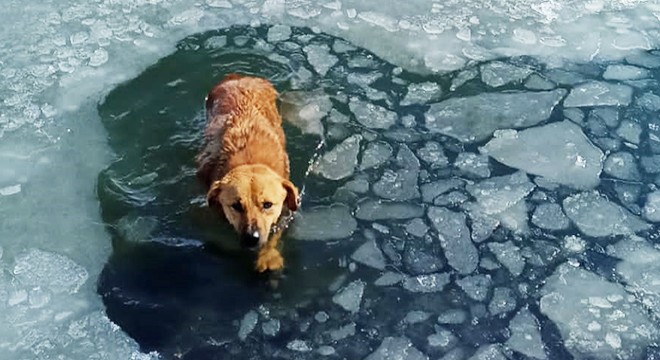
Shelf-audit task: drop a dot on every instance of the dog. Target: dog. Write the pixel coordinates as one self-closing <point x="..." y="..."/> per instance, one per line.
<point x="244" y="165"/>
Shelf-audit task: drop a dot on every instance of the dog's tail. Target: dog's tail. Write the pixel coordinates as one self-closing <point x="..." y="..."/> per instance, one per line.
<point x="232" y="76"/>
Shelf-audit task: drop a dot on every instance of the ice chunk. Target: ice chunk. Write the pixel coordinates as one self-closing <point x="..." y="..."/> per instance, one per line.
<point x="442" y="338"/>
<point x="326" y="350"/>
<point x="350" y="297"/>
<point x="598" y="93"/>
<point x="305" y="109"/>
<point x="630" y="131"/>
<point x="537" y="82"/>
<point x="426" y="283"/>
<point x="417" y="227"/>
<point x="498" y="73"/>
<point x="475" y="118"/>
<point x="371" y="115"/>
<point x="375" y="154"/>
<point x="370" y="255"/>
<point x="476" y="287"/>
<point x="298" y="345"/>
<point x="419" y="258"/>
<point x="451" y="199"/>
<point x="559" y="152"/>
<point x="342" y="332"/>
<point x="644" y="59"/>
<point x="621" y="165"/>
<point x="372" y="210"/>
<point x="503" y="301"/>
<point x="340" y="162"/>
<point x="416" y="316"/>
<point x="488" y="352"/>
<point x="625" y="72"/>
<point x="453" y="316"/>
<point x="10" y="190"/>
<point x="248" y="324"/>
<point x="320" y="58"/>
<point x="431" y="190"/>
<point x="508" y="254"/>
<point x="649" y="101"/>
<point x="270" y="327"/>
<point x="497" y="194"/>
<point x="278" y="33"/>
<point x="473" y="164"/>
<point x="397" y="185"/>
<point x="389" y="279"/>
<point x="651" y="210"/>
<point x="323" y="223"/>
<point x="421" y="93"/>
<point x="432" y="154"/>
<point x="596" y="216"/>
<point x="396" y="348"/>
<point x="514" y="217"/>
<point x="640" y="269"/>
<point x="463" y="77"/>
<point x="588" y="310"/>
<point x="550" y="217"/>
<point x="56" y="272"/>
<point x="454" y="238"/>
<point x="526" y="336"/>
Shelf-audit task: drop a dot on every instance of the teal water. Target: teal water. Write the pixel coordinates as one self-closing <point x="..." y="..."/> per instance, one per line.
<point x="177" y="281"/>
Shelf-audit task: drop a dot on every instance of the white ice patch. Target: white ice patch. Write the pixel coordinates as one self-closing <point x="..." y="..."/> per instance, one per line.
<point x="596" y="216"/>
<point x="475" y="118"/>
<point x="559" y="151"/>
<point x="621" y="330"/>
<point x="340" y="161"/>
<point x="640" y="268"/>
<point x="598" y="93"/>
<point x="323" y="223"/>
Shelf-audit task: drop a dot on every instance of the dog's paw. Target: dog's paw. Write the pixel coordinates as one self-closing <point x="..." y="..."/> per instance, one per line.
<point x="270" y="260"/>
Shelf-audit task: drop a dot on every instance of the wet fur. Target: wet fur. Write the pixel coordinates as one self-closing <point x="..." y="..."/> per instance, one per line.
<point x="244" y="160"/>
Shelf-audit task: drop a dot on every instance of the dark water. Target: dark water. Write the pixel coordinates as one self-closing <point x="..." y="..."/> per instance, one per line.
<point x="178" y="283"/>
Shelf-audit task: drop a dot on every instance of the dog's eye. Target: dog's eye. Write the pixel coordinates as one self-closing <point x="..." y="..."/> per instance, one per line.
<point x="267" y="204"/>
<point x="237" y="207"/>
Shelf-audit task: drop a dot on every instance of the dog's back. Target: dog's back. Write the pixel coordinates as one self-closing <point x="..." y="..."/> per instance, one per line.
<point x="243" y="127"/>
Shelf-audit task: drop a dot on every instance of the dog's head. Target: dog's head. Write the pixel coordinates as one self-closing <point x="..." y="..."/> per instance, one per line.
<point x="252" y="198"/>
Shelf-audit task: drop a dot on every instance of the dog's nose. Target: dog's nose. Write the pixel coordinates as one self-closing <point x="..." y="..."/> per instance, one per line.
<point x="250" y="240"/>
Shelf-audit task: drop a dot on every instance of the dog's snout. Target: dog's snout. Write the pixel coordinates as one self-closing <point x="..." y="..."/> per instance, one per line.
<point x="250" y="240"/>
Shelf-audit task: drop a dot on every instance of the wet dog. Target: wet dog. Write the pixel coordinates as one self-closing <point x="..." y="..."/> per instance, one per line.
<point x="244" y="164"/>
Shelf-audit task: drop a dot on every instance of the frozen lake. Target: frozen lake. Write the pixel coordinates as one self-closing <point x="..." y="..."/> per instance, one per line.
<point x="481" y="181"/>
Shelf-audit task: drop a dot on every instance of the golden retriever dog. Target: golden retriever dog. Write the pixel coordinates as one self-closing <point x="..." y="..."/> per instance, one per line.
<point x="244" y="164"/>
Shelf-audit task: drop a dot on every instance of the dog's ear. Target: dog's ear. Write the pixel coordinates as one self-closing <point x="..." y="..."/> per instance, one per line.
<point x="212" y="194"/>
<point x="292" y="199"/>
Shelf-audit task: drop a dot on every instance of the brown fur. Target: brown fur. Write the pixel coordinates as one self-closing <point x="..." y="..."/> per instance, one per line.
<point x="244" y="161"/>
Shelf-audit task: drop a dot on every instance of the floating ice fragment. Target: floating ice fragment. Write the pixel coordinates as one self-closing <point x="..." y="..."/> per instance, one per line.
<point x="498" y="73"/>
<point x="598" y="93"/>
<point x="421" y="93"/>
<point x="298" y="345"/>
<point x="370" y="255"/>
<point x="10" y="190"/>
<point x="475" y="118"/>
<point x="559" y="152"/>
<point x="526" y="336"/>
<point x="476" y="287"/>
<point x="372" y="210"/>
<point x="454" y="238"/>
<point x="248" y="323"/>
<point x="624" y="72"/>
<point x="550" y="217"/>
<point x="508" y="254"/>
<point x="340" y="162"/>
<point x="596" y="216"/>
<point x="350" y="297"/>
<point x="503" y="301"/>
<point x="565" y="298"/>
<point x="473" y="164"/>
<point x="399" y="348"/>
<point x="426" y="283"/>
<point x="621" y="165"/>
<point x="371" y="115"/>
<point x="323" y="223"/>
